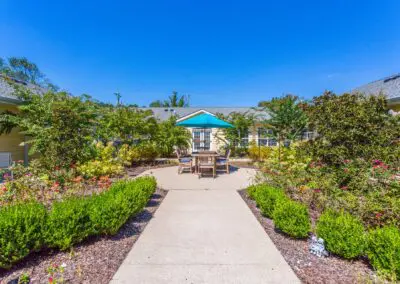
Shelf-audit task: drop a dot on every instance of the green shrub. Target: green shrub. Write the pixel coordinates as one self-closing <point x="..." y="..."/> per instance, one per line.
<point x="252" y="190"/>
<point x="292" y="218"/>
<point x="267" y="198"/>
<point x="68" y="223"/>
<point x="342" y="232"/>
<point x="383" y="250"/>
<point x="27" y="227"/>
<point x="110" y="210"/>
<point x="21" y="228"/>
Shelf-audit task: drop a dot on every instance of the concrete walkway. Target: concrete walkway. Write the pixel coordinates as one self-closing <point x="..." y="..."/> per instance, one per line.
<point x="204" y="236"/>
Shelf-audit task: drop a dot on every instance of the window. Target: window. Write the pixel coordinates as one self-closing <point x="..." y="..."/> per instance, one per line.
<point x="308" y="135"/>
<point x="201" y="139"/>
<point x="264" y="137"/>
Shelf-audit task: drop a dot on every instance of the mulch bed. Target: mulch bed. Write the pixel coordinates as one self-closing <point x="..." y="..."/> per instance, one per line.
<point x="94" y="261"/>
<point x="308" y="267"/>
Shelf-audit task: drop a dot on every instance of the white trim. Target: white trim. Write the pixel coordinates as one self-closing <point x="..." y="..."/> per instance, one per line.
<point x="194" y="114"/>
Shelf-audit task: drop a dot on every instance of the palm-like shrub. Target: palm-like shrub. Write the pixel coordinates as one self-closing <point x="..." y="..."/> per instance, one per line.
<point x="343" y="233"/>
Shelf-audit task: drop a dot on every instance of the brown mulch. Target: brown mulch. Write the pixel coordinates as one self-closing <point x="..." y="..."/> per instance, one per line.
<point x="137" y="170"/>
<point x="94" y="261"/>
<point x="308" y="267"/>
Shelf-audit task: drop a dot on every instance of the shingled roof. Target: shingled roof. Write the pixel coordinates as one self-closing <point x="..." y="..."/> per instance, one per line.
<point x="7" y="89"/>
<point x="163" y="113"/>
<point x="389" y="86"/>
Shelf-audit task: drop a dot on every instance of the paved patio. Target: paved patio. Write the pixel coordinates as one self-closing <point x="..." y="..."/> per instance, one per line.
<point x="204" y="232"/>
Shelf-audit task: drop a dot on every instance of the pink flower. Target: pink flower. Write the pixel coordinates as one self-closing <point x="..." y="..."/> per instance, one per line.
<point x="50" y="279"/>
<point x="377" y="162"/>
<point x="344" y="188"/>
<point x="346" y="161"/>
<point x="317" y="190"/>
<point x="346" y="170"/>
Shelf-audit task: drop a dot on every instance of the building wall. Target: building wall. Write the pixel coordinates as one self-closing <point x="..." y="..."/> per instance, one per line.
<point x="12" y="142"/>
<point x="395" y="107"/>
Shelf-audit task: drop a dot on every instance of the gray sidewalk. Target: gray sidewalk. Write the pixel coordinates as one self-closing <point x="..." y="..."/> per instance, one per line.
<point x="204" y="236"/>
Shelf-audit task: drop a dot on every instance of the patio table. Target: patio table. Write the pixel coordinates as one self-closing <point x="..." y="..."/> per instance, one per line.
<point x="196" y="155"/>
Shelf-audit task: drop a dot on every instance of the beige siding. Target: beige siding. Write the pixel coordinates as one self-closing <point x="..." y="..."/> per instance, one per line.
<point x="11" y="142"/>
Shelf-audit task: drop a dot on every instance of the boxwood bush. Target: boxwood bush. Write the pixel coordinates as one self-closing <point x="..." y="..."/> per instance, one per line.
<point x="21" y="228"/>
<point x="343" y="233"/>
<point x="292" y="218"/>
<point x="28" y="227"/>
<point x="252" y="190"/>
<point x="383" y="250"/>
<point x="267" y="198"/>
<point x="110" y="210"/>
<point x="68" y="222"/>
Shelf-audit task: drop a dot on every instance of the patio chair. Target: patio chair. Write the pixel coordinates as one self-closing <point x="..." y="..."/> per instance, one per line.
<point x="184" y="162"/>
<point x="6" y="161"/>
<point x="206" y="163"/>
<point x="223" y="161"/>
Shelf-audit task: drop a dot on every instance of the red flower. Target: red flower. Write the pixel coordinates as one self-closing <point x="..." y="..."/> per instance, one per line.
<point x="50" y="279"/>
<point x="378" y="215"/>
<point x="317" y="190"/>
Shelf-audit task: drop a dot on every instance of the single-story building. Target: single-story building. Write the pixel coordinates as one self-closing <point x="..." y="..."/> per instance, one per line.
<point x="213" y="139"/>
<point x="209" y="139"/>
<point x="389" y="86"/>
<point x="12" y="142"/>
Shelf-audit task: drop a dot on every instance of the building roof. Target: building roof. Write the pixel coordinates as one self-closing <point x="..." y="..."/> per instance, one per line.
<point x="163" y="113"/>
<point x="389" y="86"/>
<point x="7" y="89"/>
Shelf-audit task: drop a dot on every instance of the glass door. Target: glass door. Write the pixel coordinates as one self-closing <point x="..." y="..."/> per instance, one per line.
<point x="201" y="139"/>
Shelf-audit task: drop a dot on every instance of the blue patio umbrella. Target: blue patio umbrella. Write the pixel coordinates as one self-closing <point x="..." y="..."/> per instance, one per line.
<point x="204" y="120"/>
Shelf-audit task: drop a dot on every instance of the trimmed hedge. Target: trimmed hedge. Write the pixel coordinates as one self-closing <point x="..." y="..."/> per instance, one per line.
<point x="292" y="218"/>
<point x="383" y="250"/>
<point x="267" y="198"/>
<point x="109" y="211"/>
<point x="343" y="233"/>
<point x="28" y="227"/>
<point x="21" y="229"/>
<point x="252" y="190"/>
<point x="68" y="223"/>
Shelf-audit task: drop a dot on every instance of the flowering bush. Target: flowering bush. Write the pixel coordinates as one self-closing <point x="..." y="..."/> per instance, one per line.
<point x="106" y="163"/>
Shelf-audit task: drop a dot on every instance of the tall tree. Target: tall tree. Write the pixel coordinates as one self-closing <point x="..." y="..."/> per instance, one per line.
<point x="60" y="127"/>
<point x="242" y="123"/>
<point x="287" y="119"/>
<point x="173" y="101"/>
<point x="352" y="126"/>
<point x="22" y="69"/>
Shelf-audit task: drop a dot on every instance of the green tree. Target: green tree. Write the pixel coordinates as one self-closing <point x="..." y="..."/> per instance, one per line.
<point x="287" y="119"/>
<point x="60" y="127"/>
<point x="126" y="124"/>
<point x="353" y="126"/>
<point x="173" y="101"/>
<point x="22" y="69"/>
<point x="170" y="136"/>
<point x="234" y="136"/>
<point x="156" y="103"/>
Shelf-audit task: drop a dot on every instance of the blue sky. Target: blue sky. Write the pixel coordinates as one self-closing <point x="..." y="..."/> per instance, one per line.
<point x="222" y="53"/>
